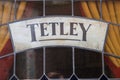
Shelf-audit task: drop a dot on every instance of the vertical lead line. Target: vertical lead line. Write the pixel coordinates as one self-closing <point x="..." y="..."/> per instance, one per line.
<point x="14" y="65"/>
<point x="103" y="66"/>
<point x="44" y="49"/>
<point x="43" y="7"/>
<point x="100" y="9"/>
<point x="44" y="60"/>
<point x="103" y="63"/>
<point x="15" y="10"/>
<point x="73" y="59"/>
<point x="72" y="3"/>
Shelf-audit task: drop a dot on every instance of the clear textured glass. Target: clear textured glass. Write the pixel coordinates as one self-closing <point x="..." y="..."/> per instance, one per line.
<point x="59" y="62"/>
<point x="29" y="64"/>
<point x="55" y="7"/>
<point x="88" y="64"/>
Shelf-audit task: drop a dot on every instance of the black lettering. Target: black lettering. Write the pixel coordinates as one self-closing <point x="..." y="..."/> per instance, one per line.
<point x="53" y="28"/>
<point x="43" y="29"/>
<point x="72" y="28"/>
<point x="62" y="29"/>
<point x="84" y="31"/>
<point x="32" y="29"/>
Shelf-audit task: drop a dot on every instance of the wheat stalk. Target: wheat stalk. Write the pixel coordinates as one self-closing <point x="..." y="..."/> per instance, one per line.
<point x="4" y="34"/>
<point x="91" y="11"/>
<point x="5" y="19"/>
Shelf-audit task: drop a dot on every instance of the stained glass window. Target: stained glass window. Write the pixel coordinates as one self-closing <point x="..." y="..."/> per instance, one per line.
<point x="64" y="62"/>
